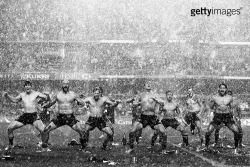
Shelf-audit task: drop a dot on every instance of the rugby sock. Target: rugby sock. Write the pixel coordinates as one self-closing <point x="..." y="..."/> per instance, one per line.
<point x="192" y="127"/>
<point x="11" y="139"/>
<point x="163" y="140"/>
<point x="44" y="145"/>
<point x="202" y="140"/>
<point x="240" y="136"/>
<point x="240" y="139"/>
<point x="207" y="139"/>
<point x="83" y="143"/>
<point x="131" y="140"/>
<point x="84" y="140"/>
<point x="154" y="138"/>
<point x="216" y="136"/>
<point x="109" y="138"/>
<point x="236" y="140"/>
<point x="185" y="139"/>
<point x="113" y="131"/>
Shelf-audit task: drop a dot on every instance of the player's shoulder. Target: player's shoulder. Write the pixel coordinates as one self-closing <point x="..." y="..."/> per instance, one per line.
<point x="230" y="97"/>
<point x="106" y="98"/>
<point x="22" y="94"/>
<point x="72" y="92"/>
<point x="37" y="92"/>
<point x="214" y="96"/>
<point x="90" y="98"/>
<point x="175" y="102"/>
<point x="141" y="94"/>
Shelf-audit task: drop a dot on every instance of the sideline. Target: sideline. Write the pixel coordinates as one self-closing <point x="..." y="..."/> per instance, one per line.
<point x="212" y="162"/>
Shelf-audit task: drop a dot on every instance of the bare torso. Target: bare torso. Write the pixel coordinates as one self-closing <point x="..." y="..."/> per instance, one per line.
<point x="65" y="101"/>
<point x="222" y="103"/>
<point x="96" y="108"/>
<point x="193" y="104"/>
<point x="29" y="101"/>
<point x="169" y="110"/>
<point x="148" y="104"/>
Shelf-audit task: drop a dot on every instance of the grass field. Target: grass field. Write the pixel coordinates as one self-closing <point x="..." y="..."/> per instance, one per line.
<point x="64" y="155"/>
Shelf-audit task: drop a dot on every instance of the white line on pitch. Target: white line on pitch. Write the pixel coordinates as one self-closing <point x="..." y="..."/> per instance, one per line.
<point x="212" y="162"/>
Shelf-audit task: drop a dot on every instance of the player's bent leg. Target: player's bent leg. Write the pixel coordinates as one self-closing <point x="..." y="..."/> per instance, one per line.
<point x="184" y="134"/>
<point x="83" y="132"/>
<point x="111" y="125"/>
<point x="47" y="130"/>
<point x="238" y="123"/>
<point x="237" y="136"/>
<point x="109" y="137"/>
<point x="132" y="134"/>
<point x="38" y="124"/>
<point x="154" y="138"/>
<point x="85" y="136"/>
<point x="162" y="131"/>
<point x="198" y="125"/>
<point x="240" y="136"/>
<point x="13" y="126"/>
<point x="216" y="136"/>
<point x="210" y="130"/>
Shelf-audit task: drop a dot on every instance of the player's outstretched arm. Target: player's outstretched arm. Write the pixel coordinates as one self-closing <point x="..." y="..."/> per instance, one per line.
<point x="158" y="99"/>
<point x="177" y="110"/>
<point x="109" y="102"/>
<point x="11" y="98"/>
<point x="43" y="96"/>
<point x="131" y="100"/>
<point x="79" y="100"/>
<point x="50" y="103"/>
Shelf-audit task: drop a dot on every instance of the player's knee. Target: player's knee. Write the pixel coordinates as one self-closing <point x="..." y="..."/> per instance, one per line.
<point x="110" y="132"/>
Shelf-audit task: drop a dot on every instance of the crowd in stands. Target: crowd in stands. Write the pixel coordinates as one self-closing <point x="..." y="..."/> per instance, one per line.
<point x="151" y="23"/>
<point x="64" y="36"/>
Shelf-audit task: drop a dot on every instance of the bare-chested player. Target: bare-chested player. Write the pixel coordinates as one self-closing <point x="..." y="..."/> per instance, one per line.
<point x="97" y="118"/>
<point x="149" y="116"/>
<point x="236" y="111"/>
<point x="222" y="104"/>
<point x="171" y="111"/>
<point x="136" y="113"/>
<point x="30" y="115"/>
<point x="194" y="107"/>
<point x="110" y="115"/>
<point x="65" y="115"/>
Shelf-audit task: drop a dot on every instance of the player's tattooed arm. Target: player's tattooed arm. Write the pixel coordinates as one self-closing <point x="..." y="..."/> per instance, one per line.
<point x="87" y="100"/>
<point x="177" y="109"/>
<point x="157" y="99"/>
<point x="231" y="105"/>
<point x="11" y="98"/>
<point x="137" y="101"/>
<point x="43" y="96"/>
<point x="212" y="104"/>
<point x="79" y="100"/>
<point x="131" y="100"/>
<point x="110" y="102"/>
<point x="50" y="103"/>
